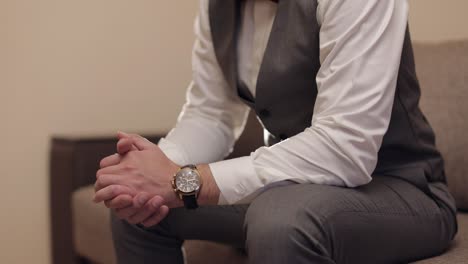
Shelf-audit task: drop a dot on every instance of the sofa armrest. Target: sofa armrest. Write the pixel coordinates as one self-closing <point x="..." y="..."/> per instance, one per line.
<point x="74" y="160"/>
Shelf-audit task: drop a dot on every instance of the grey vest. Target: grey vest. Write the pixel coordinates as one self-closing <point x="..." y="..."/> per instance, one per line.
<point x="286" y="91"/>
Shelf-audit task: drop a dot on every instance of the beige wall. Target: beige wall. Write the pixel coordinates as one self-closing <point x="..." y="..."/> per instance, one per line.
<point x="79" y="66"/>
<point x="435" y="20"/>
<point x="97" y="67"/>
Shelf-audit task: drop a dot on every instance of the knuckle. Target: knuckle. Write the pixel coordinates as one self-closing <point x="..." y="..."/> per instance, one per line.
<point x="127" y="199"/>
<point x="155" y="203"/>
<point x="99" y="173"/>
<point x="128" y="167"/>
<point x="119" y="200"/>
<point x="98" y="183"/>
<point x="139" y="183"/>
<point x="103" y="162"/>
<point x="112" y="190"/>
<point x="159" y="199"/>
<point x="117" y="189"/>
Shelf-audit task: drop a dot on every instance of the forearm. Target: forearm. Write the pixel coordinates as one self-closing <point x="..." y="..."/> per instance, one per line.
<point x="199" y="138"/>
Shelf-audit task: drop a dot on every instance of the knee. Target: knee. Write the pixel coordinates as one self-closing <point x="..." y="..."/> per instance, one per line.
<point x="123" y="233"/>
<point x="270" y="228"/>
<point x="135" y="244"/>
<point x="119" y="227"/>
<point x="126" y="233"/>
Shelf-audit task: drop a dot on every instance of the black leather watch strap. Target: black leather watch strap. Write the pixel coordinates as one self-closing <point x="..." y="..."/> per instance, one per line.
<point x="191" y="166"/>
<point x="190" y="201"/>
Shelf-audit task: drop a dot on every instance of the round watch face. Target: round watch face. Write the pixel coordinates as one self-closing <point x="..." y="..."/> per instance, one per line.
<point x="187" y="180"/>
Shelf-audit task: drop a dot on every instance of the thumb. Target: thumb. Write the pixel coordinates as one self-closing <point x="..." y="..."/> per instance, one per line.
<point x="121" y="135"/>
<point x="142" y="143"/>
<point x="125" y="145"/>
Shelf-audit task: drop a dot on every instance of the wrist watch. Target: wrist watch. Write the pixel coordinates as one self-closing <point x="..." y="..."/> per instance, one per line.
<point x="187" y="183"/>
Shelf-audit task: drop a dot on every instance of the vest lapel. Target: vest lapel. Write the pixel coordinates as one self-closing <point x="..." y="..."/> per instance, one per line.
<point x="224" y="20"/>
<point x="288" y="70"/>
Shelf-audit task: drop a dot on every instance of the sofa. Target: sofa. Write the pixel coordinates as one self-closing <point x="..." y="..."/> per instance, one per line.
<point x="80" y="228"/>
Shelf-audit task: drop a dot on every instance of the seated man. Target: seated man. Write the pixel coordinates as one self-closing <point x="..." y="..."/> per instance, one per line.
<point x="350" y="173"/>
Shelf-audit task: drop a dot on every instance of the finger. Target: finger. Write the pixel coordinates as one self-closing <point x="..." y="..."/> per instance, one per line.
<point x="124" y="213"/>
<point x="127" y="212"/>
<point x="125" y="145"/>
<point x="112" y="169"/>
<point x="110" y="192"/>
<point x="142" y="143"/>
<point x="110" y="160"/>
<point x="156" y="202"/>
<point x="105" y="179"/>
<point x="121" y="135"/>
<point x="119" y="202"/>
<point x="140" y="199"/>
<point x="147" y="210"/>
<point x="156" y="217"/>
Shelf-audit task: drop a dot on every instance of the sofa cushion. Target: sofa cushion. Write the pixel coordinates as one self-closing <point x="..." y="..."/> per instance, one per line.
<point x="91" y="227"/>
<point x="443" y="73"/>
<point x="458" y="251"/>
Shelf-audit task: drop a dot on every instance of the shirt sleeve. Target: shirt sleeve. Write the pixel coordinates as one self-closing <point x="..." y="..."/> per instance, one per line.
<point x="213" y="116"/>
<point x="360" y="49"/>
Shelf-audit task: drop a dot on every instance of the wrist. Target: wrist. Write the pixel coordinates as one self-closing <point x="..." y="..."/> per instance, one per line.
<point x="173" y="200"/>
<point x="209" y="192"/>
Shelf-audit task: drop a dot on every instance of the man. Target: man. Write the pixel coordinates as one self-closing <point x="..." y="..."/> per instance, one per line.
<point x="351" y="173"/>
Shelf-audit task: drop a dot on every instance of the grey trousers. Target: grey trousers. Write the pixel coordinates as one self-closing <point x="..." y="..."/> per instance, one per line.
<point x="386" y="221"/>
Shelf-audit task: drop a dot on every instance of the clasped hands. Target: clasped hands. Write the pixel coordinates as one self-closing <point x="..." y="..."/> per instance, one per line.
<point x="136" y="181"/>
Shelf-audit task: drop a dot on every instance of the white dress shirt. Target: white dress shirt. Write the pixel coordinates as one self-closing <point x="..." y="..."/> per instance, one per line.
<point x="360" y="49"/>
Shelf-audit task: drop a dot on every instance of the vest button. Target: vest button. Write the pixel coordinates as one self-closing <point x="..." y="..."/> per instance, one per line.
<point x="264" y="113"/>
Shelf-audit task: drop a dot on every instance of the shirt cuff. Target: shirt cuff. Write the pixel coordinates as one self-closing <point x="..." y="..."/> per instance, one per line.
<point x="173" y="152"/>
<point x="236" y="179"/>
